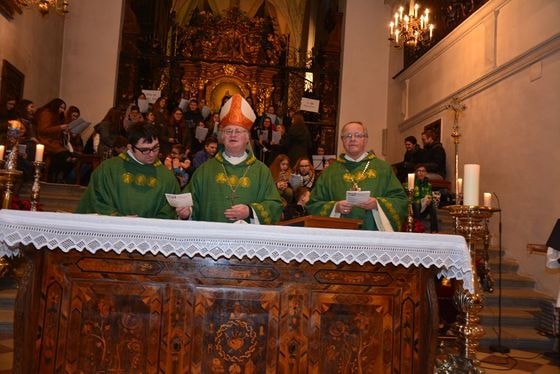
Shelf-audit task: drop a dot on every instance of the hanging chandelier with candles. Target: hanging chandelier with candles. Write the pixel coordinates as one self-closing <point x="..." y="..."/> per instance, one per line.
<point x="45" y="6"/>
<point x="410" y="29"/>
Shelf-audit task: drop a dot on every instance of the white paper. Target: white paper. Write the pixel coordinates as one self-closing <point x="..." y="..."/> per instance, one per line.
<point x="357" y="197"/>
<point x="143" y="105"/>
<point x="296" y="181"/>
<point x="179" y="200"/>
<point x="309" y="105"/>
<point x="78" y="125"/>
<point x="276" y="137"/>
<point x="201" y="133"/>
<point x="183" y="104"/>
<point x="152" y="95"/>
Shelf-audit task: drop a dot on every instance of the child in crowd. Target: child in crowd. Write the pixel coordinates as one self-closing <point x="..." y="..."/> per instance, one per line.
<point x="423" y="205"/>
<point x="281" y="172"/>
<point x="177" y="162"/>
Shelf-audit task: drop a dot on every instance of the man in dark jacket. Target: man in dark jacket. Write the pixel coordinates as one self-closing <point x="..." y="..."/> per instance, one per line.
<point x="434" y="156"/>
<point x="413" y="156"/>
<point x="299" y="139"/>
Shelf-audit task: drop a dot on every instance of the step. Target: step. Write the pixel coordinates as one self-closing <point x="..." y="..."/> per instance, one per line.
<point x="511" y="280"/>
<point x="511" y="316"/>
<point x="508" y="265"/>
<point x="525" y="338"/>
<point x="519" y="298"/>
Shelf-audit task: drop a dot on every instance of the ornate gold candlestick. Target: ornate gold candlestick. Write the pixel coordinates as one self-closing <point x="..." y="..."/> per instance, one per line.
<point x="36" y="189"/>
<point x="410" y="216"/>
<point x="9" y="176"/>
<point x="471" y="222"/>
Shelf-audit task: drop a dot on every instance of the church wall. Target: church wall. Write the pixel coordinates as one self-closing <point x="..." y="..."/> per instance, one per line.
<point x="365" y="62"/>
<point x="504" y="62"/>
<point x="33" y="44"/>
<point x="90" y="56"/>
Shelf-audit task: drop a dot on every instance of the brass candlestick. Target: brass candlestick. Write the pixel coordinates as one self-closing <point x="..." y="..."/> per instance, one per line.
<point x="36" y="189"/>
<point x="9" y="176"/>
<point x="470" y="221"/>
<point x="410" y="216"/>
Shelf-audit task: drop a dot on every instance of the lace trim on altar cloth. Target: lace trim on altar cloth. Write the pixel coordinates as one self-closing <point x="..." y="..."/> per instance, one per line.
<point x="92" y="233"/>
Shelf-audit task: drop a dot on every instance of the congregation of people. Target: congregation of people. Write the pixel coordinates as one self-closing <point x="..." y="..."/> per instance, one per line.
<point x="238" y="166"/>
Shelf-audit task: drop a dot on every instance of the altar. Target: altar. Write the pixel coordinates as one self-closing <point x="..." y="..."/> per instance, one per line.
<point x="134" y="295"/>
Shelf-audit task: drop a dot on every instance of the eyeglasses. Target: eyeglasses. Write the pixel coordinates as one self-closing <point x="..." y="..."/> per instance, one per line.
<point x="357" y="135"/>
<point x="234" y="131"/>
<point x="146" y="151"/>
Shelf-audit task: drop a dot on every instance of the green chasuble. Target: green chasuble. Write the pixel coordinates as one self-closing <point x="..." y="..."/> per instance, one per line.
<point x="121" y="186"/>
<point x="376" y="177"/>
<point x="217" y="185"/>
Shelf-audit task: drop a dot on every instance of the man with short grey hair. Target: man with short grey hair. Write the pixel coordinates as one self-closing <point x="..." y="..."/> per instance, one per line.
<point x="383" y="209"/>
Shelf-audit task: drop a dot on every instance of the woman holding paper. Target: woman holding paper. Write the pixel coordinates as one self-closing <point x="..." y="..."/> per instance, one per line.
<point x="51" y="127"/>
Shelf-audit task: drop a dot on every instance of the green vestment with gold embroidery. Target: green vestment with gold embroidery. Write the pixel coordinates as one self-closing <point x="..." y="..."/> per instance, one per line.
<point x="217" y="185"/>
<point x="121" y="186"/>
<point x="378" y="178"/>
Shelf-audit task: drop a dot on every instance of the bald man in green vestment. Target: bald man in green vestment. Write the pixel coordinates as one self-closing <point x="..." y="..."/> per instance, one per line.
<point x="360" y="170"/>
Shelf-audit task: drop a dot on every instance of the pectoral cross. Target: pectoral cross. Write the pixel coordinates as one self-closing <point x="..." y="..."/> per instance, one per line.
<point x="355" y="187"/>
<point x="232" y="198"/>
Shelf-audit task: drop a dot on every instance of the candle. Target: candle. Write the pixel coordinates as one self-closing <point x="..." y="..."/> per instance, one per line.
<point x="426" y="16"/>
<point x="431" y="30"/>
<point x="397" y="35"/>
<point x="396" y="19"/>
<point x="422" y="22"/>
<point x="406" y="22"/>
<point x="410" y="181"/>
<point x="2" y="149"/>
<point x="460" y="184"/>
<point x="391" y="25"/>
<point x="488" y="199"/>
<point x="39" y="150"/>
<point x="472" y="177"/>
<point x="400" y="12"/>
<point x="416" y="6"/>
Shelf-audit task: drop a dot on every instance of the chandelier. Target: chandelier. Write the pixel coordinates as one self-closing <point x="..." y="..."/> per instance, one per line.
<point x="410" y="29"/>
<point x="44" y="6"/>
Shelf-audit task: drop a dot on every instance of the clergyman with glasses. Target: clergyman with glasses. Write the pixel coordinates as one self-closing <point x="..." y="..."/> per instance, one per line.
<point x="135" y="182"/>
<point x="359" y="185"/>
<point x="234" y="186"/>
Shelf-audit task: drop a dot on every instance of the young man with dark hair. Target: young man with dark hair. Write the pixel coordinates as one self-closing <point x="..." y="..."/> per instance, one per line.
<point x="134" y="183"/>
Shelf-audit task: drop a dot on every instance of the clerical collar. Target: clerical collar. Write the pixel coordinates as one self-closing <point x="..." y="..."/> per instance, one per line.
<point x="364" y="155"/>
<point x="129" y="152"/>
<point x="235" y="160"/>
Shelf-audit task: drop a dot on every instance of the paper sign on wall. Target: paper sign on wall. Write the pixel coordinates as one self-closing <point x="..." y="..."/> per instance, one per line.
<point x="309" y="105"/>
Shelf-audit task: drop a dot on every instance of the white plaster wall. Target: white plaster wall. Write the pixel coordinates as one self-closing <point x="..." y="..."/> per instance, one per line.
<point x="512" y="123"/>
<point x="33" y="44"/>
<point x="90" y="56"/>
<point x="365" y="62"/>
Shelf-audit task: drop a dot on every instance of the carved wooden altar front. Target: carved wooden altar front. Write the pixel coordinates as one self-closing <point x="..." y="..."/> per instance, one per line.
<point x="130" y="313"/>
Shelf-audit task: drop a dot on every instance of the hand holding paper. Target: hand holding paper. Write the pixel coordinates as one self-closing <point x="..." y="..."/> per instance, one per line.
<point x="357" y="197"/>
<point x="179" y="200"/>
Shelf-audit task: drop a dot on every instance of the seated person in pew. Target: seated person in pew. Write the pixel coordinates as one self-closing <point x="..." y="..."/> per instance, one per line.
<point x="234" y="185"/>
<point x="380" y="199"/>
<point x="134" y="183"/>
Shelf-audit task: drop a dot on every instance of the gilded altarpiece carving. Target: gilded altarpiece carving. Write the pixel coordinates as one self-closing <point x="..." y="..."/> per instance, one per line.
<point x="152" y="314"/>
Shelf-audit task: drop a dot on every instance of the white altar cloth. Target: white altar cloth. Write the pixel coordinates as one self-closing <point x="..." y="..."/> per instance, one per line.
<point x="81" y="232"/>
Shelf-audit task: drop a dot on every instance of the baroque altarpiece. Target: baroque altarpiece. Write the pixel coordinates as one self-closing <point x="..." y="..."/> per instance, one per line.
<point x="189" y="49"/>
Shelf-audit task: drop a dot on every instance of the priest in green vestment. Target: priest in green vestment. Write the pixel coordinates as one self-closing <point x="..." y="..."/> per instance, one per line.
<point x="234" y="185"/>
<point x="133" y="183"/>
<point x="358" y="170"/>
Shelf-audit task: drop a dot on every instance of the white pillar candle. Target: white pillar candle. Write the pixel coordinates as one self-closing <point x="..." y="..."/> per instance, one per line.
<point x="488" y="199"/>
<point x="460" y="184"/>
<point x="411" y="181"/>
<point x="39" y="150"/>
<point x="2" y="149"/>
<point x="472" y="177"/>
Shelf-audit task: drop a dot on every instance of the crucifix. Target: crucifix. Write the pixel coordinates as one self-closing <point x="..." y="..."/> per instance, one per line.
<point x="457" y="106"/>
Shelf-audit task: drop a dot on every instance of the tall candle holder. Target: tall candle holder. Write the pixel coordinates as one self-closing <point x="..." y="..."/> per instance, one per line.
<point x="471" y="222"/>
<point x="410" y="215"/>
<point x="36" y="188"/>
<point x="9" y="176"/>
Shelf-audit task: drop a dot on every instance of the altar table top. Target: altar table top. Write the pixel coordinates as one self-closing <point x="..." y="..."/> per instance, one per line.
<point x="92" y="233"/>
